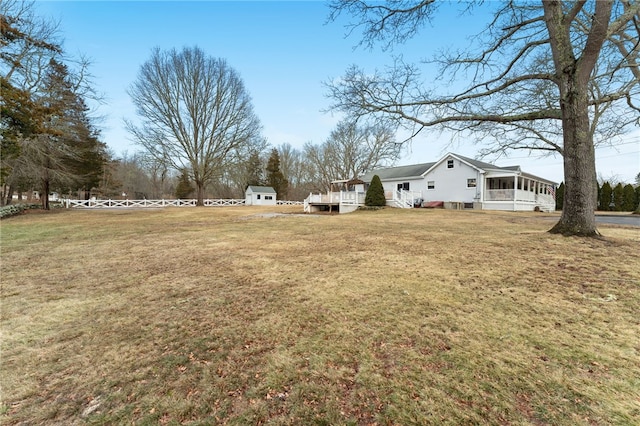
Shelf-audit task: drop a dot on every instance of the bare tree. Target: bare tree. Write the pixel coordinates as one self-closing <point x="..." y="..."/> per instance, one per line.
<point x="296" y="170"/>
<point x="247" y="169"/>
<point x="195" y="112"/>
<point x="351" y="150"/>
<point x="25" y="39"/>
<point x="540" y="68"/>
<point x="159" y="173"/>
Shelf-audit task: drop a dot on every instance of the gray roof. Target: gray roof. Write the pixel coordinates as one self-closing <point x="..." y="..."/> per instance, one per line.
<point x="483" y="165"/>
<point x="401" y="172"/>
<point x="418" y="170"/>
<point x="262" y="189"/>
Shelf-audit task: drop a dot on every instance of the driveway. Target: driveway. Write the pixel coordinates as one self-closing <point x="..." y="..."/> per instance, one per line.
<point x="612" y="219"/>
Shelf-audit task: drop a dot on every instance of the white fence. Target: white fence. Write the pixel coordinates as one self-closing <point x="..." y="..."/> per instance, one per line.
<point x="101" y="204"/>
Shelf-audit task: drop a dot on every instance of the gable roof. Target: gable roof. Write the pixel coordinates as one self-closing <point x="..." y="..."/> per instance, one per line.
<point x="483" y="165"/>
<point x="261" y="189"/>
<point x="401" y="172"/>
<point x="417" y="171"/>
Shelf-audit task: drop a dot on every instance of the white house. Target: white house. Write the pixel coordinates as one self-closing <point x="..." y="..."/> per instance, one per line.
<point x="462" y="183"/>
<point x="260" y="196"/>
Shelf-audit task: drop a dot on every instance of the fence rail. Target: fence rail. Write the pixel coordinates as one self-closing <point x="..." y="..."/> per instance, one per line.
<point x="101" y="204"/>
<point x="289" y="203"/>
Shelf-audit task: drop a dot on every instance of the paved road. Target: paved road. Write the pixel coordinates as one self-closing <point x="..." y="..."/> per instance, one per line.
<point x="631" y="220"/>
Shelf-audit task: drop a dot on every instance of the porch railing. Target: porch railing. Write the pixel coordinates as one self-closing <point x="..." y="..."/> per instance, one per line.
<point x="516" y="195"/>
<point x="405" y="199"/>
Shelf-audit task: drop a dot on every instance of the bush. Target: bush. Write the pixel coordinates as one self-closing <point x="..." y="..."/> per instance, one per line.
<point x="15" y="209"/>
<point x="375" y="193"/>
<point x="184" y="188"/>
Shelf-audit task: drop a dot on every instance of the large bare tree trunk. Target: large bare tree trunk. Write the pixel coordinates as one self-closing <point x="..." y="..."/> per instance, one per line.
<point x="579" y="166"/>
<point x="572" y="76"/>
<point x="199" y="193"/>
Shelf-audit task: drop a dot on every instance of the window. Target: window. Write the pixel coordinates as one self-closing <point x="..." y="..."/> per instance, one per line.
<point x="268" y="197"/>
<point x="403" y="185"/>
<point x="431" y="184"/>
<point x="258" y="196"/>
<point x="449" y="164"/>
<point x="471" y="183"/>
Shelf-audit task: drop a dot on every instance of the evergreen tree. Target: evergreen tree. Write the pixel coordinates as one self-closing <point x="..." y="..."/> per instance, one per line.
<point x="87" y="156"/>
<point x="605" y="196"/>
<point x="184" y="189"/>
<point x="629" y="196"/>
<point x="637" y="198"/>
<point x="64" y="153"/>
<point x="275" y="177"/>
<point x="618" y="197"/>
<point x="560" y="196"/>
<point x="375" y="193"/>
<point x="16" y="122"/>
<point x="255" y="170"/>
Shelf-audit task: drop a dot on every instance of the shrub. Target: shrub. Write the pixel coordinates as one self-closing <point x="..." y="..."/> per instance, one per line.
<point x="15" y="209"/>
<point x="184" y="189"/>
<point x="375" y="193"/>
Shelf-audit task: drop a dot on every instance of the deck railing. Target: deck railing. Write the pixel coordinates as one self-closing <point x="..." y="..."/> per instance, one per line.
<point x="400" y="198"/>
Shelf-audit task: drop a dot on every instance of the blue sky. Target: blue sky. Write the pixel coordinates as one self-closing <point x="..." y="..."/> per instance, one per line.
<point x="284" y="51"/>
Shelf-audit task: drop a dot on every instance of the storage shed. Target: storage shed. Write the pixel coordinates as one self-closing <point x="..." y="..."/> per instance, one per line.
<point x="260" y="196"/>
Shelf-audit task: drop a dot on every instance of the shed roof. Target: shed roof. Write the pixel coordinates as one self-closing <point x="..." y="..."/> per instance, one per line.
<point x="261" y="189"/>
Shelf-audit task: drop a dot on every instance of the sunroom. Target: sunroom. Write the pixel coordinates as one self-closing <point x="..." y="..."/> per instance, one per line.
<point x="520" y="189"/>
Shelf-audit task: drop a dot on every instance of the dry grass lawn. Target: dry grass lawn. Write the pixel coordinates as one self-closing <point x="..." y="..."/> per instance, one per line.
<point x="392" y="317"/>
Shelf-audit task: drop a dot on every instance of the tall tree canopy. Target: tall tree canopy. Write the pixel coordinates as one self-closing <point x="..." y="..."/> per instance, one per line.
<point x="195" y="112"/>
<point x="275" y="178"/>
<point x="48" y="137"/>
<point x="542" y="70"/>
<point x="352" y="150"/>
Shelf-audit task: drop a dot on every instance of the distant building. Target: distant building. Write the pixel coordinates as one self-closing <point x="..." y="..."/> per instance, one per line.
<point x="260" y="196"/>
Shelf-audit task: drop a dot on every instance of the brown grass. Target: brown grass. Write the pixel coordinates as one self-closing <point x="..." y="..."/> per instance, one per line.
<point x="391" y="317"/>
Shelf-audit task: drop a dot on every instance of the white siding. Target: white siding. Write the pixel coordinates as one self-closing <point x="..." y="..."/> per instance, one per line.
<point x="416" y="185"/>
<point x="259" y="198"/>
<point x="451" y="184"/>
